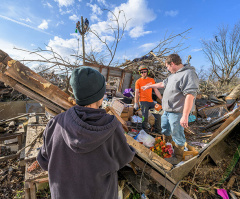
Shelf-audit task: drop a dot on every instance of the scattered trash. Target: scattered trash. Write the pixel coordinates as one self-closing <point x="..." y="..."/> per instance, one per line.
<point x="145" y="138"/>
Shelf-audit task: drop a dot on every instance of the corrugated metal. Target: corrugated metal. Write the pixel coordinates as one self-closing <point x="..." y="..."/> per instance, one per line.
<point x="104" y="72"/>
<point x="115" y="73"/>
<point x="127" y="81"/>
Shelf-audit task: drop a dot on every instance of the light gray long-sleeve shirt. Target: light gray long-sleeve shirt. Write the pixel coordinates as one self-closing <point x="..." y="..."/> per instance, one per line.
<point x="177" y="86"/>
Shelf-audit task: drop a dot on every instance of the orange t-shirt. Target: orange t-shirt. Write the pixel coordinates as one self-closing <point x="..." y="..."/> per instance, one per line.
<point x="146" y="95"/>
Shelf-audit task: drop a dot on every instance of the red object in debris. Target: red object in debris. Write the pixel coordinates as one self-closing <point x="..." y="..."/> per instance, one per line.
<point x="135" y="131"/>
<point x="158" y="107"/>
<point x="33" y="166"/>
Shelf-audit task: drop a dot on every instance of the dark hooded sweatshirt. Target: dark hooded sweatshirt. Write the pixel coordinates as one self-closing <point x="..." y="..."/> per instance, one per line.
<point x="83" y="150"/>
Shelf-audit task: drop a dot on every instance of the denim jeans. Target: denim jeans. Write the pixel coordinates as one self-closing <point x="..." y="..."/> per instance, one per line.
<point x="170" y="123"/>
<point x="145" y="106"/>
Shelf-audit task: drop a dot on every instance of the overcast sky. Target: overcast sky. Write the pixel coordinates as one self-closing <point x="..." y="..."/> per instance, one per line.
<point x="29" y="24"/>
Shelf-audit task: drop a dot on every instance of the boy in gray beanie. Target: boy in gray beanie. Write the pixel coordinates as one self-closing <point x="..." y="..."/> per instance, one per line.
<point x="84" y="147"/>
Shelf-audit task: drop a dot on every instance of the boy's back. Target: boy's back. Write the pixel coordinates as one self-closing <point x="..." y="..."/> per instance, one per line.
<point x="83" y="150"/>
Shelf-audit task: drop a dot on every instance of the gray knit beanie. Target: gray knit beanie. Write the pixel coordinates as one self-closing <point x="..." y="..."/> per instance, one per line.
<point x="88" y="85"/>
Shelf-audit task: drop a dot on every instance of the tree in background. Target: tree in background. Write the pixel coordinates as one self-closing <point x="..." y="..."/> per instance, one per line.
<point x="116" y="26"/>
<point x="224" y="53"/>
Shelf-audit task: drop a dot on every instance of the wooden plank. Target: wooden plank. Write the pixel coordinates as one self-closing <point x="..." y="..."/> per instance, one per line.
<point x="27" y="190"/>
<point x="143" y="151"/>
<point x="111" y="111"/>
<point x="226" y="123"/>
<point x="102" y="66"/>
<point x="48" y="103"/>
<point x="34" y="81"/>
<point x="41" y="180"/>
<point x="7" y="136"/>
<point x="32" y="132"/>
<point x="180" y="193"/>
<point x="178" y="173"/>
<point x="33" y="191"/>
<point x="26" y="91"/>
<point x="14" y="118"/>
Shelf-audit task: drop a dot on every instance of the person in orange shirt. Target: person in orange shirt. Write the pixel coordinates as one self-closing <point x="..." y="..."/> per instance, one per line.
<point x="144" y="96"/>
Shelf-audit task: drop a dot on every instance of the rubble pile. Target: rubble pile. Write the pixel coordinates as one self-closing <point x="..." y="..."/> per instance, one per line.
<point x="11" y="177"/>
<point x="210" y="157"/>
<point x="55" y="79"/>
<point x="9" y="94"/>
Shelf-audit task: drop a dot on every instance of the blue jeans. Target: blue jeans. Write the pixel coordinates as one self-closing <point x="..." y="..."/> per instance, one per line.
<point x="170" y="123"/>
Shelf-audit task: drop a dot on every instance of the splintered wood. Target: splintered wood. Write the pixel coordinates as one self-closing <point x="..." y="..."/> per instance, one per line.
<point x="32" y="132"/>
<point x="26" y="81"/>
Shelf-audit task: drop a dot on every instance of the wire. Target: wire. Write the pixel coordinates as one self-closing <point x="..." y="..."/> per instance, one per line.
<point x="174" y="189"/>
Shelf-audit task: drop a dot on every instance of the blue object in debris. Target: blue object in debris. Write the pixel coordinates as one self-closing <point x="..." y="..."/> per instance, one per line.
<point x="191" y="118"/>
<point x="135" y="138"/>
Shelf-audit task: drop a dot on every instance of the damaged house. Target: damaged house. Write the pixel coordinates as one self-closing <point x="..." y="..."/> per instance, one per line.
<point x="211" y="136"/>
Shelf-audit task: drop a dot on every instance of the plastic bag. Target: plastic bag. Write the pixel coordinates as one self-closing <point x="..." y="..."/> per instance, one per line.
<point x="146" y="139"/>
<point x="136" y="119"/>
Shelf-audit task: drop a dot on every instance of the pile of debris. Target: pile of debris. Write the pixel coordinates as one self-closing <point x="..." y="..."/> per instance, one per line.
<point x="9" y="94"/>
<point x="12" y="176"/>
<point x="209" y="133"/>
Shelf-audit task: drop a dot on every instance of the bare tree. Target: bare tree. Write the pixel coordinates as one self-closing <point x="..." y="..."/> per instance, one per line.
<point x="117" y="30"/>
<point x="51" y="60"/>
<point x="155" y="58"/>
<point x="223" y="51"/>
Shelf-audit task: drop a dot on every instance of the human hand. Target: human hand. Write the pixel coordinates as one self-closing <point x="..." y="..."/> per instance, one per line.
<point x="184" y="121"/>
<point x="145" y="87"/>
<point x="136" y="107"/>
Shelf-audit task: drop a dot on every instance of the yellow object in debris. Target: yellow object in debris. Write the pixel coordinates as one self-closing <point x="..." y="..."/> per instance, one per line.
<point x="46" y="85"/>
<point x="11" y="62"/>
<point x="190" y="153"/>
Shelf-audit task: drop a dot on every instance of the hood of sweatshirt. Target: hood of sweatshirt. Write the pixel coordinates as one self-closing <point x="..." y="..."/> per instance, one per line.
<point x="85" y="129"/>
<point x="185" y="67"/>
